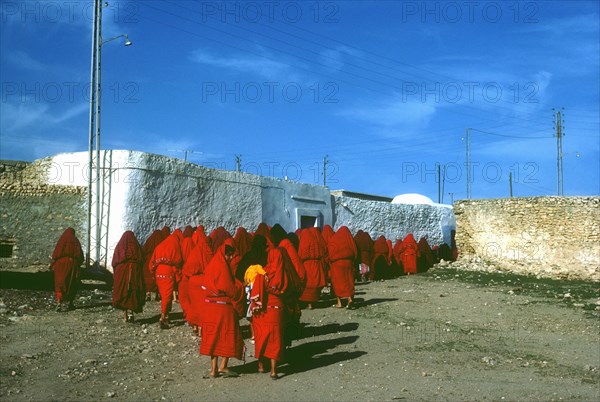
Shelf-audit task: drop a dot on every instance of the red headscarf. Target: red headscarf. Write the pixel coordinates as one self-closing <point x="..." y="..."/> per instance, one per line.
<point x="327" y="233"/>
<point x="128" y="249"/>
<point x="198" y="259"/>
<point x="243" y="241"/>
<point x="293" y="254"/>
<point x="265" y="231"/>
<point x="168" y="252"/>
<point x="218" y="279"/>
<point x="177" y="232"/>
<point x="218" y="236"/>
<point x="187" y="244"/>
<point x="381" y="248"/>
<point x="188" y="231"/>
<point x="278" y="281"/>
<point x="199" y="233"/>
<point x="152" y="241"/>
<point x="341" y="246"/>
<point x="68" y="246"/>
<point x="364" y="244"/>
<point x="312" y="246"/>
<point x="166" y="231"/>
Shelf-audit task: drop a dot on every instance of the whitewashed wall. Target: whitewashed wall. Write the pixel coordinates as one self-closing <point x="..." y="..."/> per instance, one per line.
<point x="149" y="191"/>
<point x="395" y="221"/>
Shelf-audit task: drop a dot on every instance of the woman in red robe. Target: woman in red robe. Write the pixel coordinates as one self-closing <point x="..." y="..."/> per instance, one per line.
<point x="327" y="233"/>
<point x="218" y="236"/>
<point x="268" y="309"/>
<point x="128" y="284"/>
<point x="293" y="327"/>
<point x="364" y="245"/>
<point x="193" y="275"/>
<point x="149" y="280"/>
<point x="313" y="253"/>
<point x="66" y="260"/>
<point x="221" y="334"/>
<point x="409" y="252"/>
<point x="182" y="287"/>
<point x="381" y="262"/>
<point x="342" y="259"/>
<point x="243" y="241"/>
<point x="166" y="264"/>
<point x="426" y="259"/>
<point x="264" y="230"/>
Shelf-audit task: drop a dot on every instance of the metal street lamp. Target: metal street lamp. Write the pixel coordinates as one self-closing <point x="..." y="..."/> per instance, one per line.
<point x="94" y="130"/>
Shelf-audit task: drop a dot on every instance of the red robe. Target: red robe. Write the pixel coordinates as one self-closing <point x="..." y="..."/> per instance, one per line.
<point x="182" y="287"/>
<point x="327" y="233"/>
<point x="409" y="252"/>
<point x="342" y="258"/>
<point x="364" y="246"/>
<point x="151" y="242"/>
<point x="188" y="231"/>
<point x="268" y="321"/>
<point x="243" y="241"/>
<point x="193" y="274"/>
<point x="313" y="252"/>
<point x="426" y="258"/>
<point x="218" y="236"/>
<point x="296" y="261"/>
<point x="166" y="264"/>
<point x="221" y="334"/>
<point x="66" y="260"/>
<point x="264" y="230"/>
<point x="381" y="255"/>
<point x="129" y="292"/>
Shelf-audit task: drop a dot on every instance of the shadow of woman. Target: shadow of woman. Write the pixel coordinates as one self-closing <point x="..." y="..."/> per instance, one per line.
<point x="358" y="302"/>
<point x="310" y="331"/>
<point x="312" y="355"/>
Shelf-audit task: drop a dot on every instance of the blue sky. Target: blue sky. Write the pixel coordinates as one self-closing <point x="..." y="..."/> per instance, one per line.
<point x="384" y="89"/>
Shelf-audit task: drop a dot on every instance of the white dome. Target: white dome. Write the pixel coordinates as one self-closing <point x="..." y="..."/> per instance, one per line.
<point x="412" y="199"/>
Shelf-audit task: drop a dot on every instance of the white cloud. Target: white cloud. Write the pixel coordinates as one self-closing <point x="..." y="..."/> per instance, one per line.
<point x="394" y="114"/>
<point x="263" y="66"/>
<point x="20" y="59"/>
<point x="336" y="58"/>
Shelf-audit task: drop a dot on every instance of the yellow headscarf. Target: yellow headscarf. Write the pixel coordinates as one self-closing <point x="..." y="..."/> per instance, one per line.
<point x="251" y="273"/>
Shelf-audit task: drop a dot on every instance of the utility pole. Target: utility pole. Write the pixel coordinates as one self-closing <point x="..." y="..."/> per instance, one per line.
<point x="439" y="184"/>
<point x="451" y="197"/>
<point x="325" y="161"/>
<point x="468" y="161"/>
<point x="510" y="183"/>
<point x="559" y="154"/>
<point x="238" y="163"/>
<point x="185" y="152"/>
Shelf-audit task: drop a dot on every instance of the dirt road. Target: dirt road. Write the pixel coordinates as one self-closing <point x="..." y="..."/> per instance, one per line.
<point x="445" y="335"/>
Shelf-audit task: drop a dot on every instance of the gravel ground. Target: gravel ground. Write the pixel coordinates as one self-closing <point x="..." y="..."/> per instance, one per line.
<point x="461" y="331"/>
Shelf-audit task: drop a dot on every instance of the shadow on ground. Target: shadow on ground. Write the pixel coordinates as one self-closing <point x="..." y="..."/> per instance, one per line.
<point x="45" y="280"/>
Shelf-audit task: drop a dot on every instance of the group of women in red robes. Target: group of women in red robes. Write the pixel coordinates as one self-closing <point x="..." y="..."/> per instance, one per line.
<point x="209" y="273"/>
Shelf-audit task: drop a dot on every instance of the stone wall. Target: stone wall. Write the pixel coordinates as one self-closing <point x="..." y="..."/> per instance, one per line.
<point x="34" y="215"/>
<point x="547" y="236"/>
<point x="395" y="221"/>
